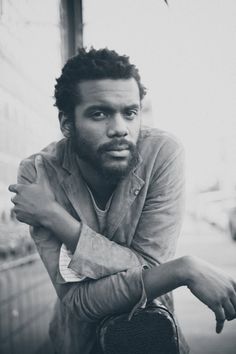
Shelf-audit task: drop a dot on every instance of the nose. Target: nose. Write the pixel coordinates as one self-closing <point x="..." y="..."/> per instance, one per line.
<point x="117" y="126"/>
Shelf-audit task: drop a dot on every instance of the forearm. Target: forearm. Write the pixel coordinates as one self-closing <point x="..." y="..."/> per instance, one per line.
<point x="93" y="299"/>
<point x="166" y="277"/>
<point x="121" y="292"/>
<point x="62" y="225"/>
<point x="124" y="291"/>
<point x="67" y="229"/>
<point x="94" y="255"/>
<point x="118" y="293"/>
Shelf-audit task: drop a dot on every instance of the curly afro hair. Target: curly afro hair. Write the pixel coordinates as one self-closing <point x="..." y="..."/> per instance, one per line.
<point x="91" y="65"/>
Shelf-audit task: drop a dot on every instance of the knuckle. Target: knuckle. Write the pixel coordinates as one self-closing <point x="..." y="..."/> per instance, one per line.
<point x="231" y="292"/>
<point x="20" y="188"/>
<point x="224" y="298"/>
<point x="216" y="304"/>
<point x="220" y="318"/>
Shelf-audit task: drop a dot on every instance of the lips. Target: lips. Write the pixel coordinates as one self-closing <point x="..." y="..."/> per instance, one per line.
<point x="118" y="153"/>
<point x="118" y="148"/>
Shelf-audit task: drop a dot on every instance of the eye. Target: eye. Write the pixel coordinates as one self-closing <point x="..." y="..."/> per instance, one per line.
<point x="98" y="115"/>
<point x="131" y="113"/>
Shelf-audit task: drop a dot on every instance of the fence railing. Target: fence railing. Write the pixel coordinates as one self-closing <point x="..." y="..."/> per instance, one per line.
<point x="26" y="302"/>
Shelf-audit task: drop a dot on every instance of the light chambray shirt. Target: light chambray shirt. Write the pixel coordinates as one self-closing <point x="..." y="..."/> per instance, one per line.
<point x="143" y="224"/>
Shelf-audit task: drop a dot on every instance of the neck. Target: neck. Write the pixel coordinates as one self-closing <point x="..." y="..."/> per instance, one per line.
<point x="100" y="187"/>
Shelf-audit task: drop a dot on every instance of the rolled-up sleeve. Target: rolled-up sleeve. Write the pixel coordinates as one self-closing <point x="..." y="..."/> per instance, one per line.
<point x="96" y="256"/>
<point x="91" y="300"/>
<point x="94" y="299"/>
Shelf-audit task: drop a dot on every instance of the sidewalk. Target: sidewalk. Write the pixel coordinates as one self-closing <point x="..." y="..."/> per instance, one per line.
<point x="196" y="320"/>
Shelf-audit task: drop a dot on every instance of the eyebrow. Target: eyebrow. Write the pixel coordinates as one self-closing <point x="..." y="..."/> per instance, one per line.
<point x="133" y="106"/>
<point x="109" y="108"/>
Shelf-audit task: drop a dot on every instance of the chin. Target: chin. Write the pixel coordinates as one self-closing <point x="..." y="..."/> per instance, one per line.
<point x="114" y="172"/>
<point x="118" y="165"/>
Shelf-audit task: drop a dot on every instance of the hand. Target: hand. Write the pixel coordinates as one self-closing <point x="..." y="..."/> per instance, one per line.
<point x="33" y="200"/>
<point x="213" y="288"/>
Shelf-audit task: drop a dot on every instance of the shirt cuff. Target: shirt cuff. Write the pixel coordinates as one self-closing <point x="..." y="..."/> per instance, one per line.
<point x="68" y="275"/>
<point x="96" y="256"/>
<point x="142" y="302"/>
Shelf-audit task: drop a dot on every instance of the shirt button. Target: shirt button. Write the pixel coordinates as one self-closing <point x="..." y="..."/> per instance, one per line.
<point x="136" y="191"/>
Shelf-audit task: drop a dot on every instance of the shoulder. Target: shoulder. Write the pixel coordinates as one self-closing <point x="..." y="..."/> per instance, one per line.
<point x="159" y="145"/>
<point x="53" y="153"/>
<point x="162" y="159"/>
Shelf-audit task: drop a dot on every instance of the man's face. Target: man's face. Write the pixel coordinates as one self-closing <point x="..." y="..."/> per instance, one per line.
<point x="107" y="125"/>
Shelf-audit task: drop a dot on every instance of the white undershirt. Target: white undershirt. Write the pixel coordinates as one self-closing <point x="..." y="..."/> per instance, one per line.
<point x="68" y="274"/>
<point x="101" y="214"/>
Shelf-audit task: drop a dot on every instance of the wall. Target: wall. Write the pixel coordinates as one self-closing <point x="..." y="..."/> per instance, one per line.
<point x="30" y="59"/>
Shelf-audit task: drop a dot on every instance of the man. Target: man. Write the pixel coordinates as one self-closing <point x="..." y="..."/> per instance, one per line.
<point x="105" y="206"/>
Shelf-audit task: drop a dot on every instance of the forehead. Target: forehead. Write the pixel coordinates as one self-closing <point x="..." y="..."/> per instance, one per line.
<point x="109" y="91"/>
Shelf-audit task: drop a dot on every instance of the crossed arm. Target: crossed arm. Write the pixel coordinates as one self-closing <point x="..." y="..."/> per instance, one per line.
<point x="125" y="287"/>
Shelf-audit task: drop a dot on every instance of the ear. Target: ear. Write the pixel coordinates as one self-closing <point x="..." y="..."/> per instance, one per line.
<point x="65" y="124"/>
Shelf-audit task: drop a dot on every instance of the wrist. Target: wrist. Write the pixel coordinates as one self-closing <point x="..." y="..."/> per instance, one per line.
<point x="50" y="214"/>
<point x="165" y="277"/>
<point x="62" y="224"/>
<point x="188" y="269"/>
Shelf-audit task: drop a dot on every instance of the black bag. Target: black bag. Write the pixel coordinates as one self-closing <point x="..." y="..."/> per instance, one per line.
<point x="150" y="331"/>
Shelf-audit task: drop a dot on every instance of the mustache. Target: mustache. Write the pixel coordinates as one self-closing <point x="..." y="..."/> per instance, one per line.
<point x="116" y="144"/>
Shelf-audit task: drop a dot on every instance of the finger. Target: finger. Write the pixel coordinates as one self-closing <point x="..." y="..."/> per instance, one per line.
<point x="14" y="188"/>
<point x="19" y="217"/>
<point x="229" y="310"/>
<point x="13" y="199"/>
<point x="219" y="326"/>
<point x="220" y="319"/>
<point x="234" y="284"/>
<point x="233" y="301"/>
<point x="40" y="170"/>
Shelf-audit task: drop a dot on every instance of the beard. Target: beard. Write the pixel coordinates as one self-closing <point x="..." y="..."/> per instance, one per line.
<point x="112" y="169"/>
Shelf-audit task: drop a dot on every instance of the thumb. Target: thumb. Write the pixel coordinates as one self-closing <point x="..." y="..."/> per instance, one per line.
<point x="41" y="175"/>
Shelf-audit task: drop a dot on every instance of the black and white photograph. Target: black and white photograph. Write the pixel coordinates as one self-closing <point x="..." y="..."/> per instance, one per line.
<point x="117" y="177"/>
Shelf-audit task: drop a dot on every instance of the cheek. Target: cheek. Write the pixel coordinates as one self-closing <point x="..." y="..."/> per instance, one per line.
<point x="135" y="129"/>
<point x="93" y="134"/>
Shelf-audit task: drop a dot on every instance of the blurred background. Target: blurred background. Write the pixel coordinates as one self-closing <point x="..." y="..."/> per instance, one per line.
<point x="186" y="53"/>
